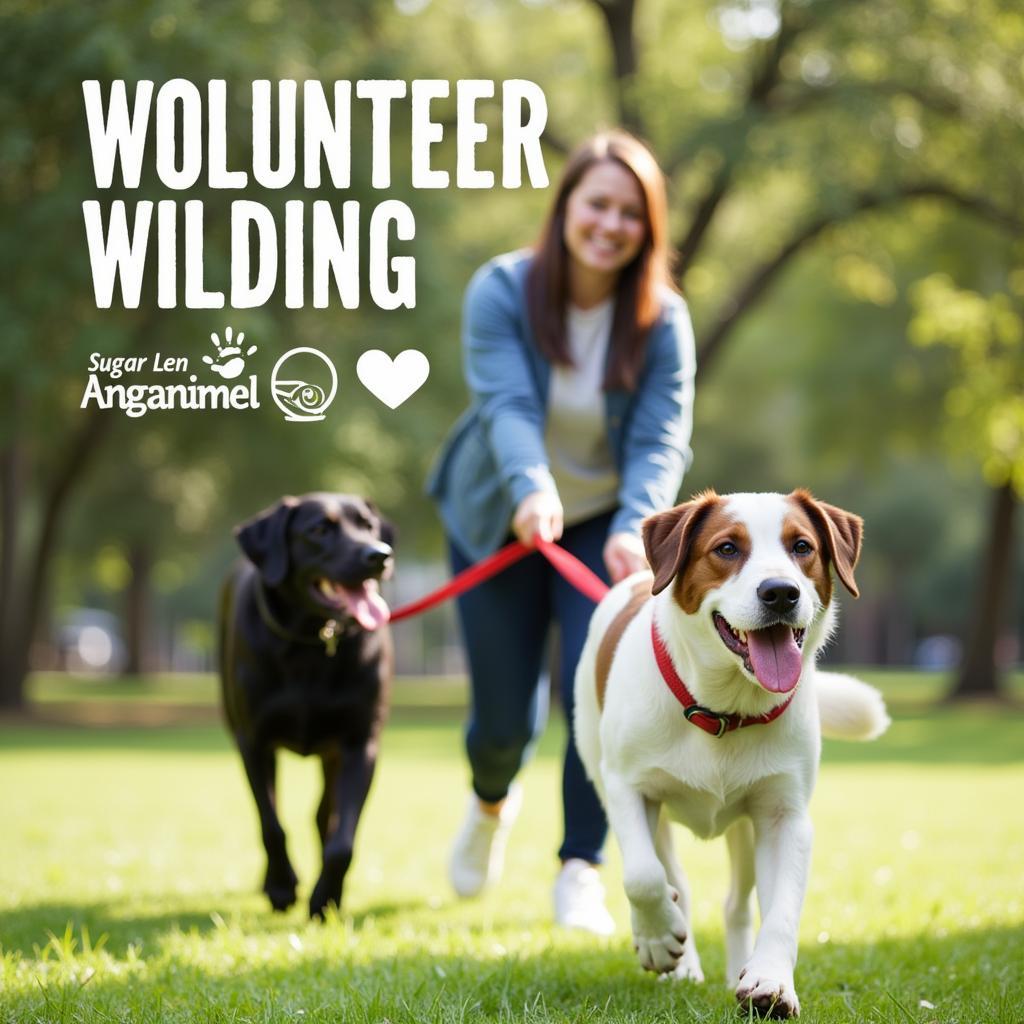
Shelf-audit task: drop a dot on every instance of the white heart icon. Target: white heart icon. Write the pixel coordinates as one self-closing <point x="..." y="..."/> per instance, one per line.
<point x="392" y="380"/>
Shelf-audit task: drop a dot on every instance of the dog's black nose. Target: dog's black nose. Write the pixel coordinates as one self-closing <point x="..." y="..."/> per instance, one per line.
<point x="375" y="555"/>
<point x="779" y="595"/>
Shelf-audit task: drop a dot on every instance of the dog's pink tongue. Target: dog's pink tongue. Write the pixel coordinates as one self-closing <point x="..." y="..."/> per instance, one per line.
<point x="366" y="606"/>
<point x="775" y="657"/>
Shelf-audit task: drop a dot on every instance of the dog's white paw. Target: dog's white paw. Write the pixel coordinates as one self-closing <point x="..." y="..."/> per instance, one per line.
<point x="769" y="991"/>
<point x="688" y="968"/>
<point x="659" y="935"/>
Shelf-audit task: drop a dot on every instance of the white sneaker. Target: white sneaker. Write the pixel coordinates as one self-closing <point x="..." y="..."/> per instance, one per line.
<point x="478" y="855"/>
<point x="579" y="899"/>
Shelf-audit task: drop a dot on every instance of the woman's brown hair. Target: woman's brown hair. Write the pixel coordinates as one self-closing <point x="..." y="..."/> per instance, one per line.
<point x="637" y="299"/>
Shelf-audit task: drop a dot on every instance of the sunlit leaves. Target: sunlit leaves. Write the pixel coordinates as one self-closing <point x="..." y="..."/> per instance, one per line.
<point x="985" y="405"/>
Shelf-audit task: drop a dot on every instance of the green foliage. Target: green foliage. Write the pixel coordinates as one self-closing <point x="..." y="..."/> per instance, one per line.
<point x="831" y="117"/>
<point x="985" y="405"/>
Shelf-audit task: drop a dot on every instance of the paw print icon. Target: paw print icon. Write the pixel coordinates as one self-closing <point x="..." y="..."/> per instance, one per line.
<point x="230" y="360"/>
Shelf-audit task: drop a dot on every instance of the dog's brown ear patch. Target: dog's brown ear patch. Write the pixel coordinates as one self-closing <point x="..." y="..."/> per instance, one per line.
<point x="668" y="537"/>
<point x="841" y="533"/>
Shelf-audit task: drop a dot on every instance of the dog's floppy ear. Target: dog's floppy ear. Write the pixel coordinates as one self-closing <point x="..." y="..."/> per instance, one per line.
<point x="264" y="540"/>
<point x="841" y="532"/>
<point x="668" y="537"/>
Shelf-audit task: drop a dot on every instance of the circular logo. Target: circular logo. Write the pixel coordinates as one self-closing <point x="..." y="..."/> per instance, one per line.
<point x="302" y="400"/>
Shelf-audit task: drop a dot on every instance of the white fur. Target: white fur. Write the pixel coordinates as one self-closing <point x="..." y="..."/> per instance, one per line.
<point x="849" y="709"/>
<point x="752" y="785"/>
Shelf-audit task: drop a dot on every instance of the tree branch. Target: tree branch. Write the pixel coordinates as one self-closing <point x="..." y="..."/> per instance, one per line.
<point x="701" y="219"/>
<point x="747" y="295"/>
<point x="618" y="19"/>
<point x="766" y="77"/>
<point x="796" y="102"/>
<point x="555" y="142"/>
<point x="763" y="81"/>
<point x="801" y="99"/>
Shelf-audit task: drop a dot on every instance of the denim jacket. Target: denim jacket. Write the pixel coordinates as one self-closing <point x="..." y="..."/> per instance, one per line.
<point x="495" y="455"/>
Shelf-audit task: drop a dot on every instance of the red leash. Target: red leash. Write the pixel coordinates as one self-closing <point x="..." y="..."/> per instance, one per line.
<point x="566" y="564"/>
<point x="590" y="585"/>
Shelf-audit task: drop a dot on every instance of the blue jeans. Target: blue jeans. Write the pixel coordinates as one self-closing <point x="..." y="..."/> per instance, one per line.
<point x="505" y="623"/>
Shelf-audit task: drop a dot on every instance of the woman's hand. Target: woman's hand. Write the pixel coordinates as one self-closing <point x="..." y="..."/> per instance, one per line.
<point x="539" y="515"/>
<point x="624" y="555"/>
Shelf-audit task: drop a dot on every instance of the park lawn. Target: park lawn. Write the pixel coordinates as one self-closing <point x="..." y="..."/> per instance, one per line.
<point x="130" y="863"/>
<point x="902" y="687"/>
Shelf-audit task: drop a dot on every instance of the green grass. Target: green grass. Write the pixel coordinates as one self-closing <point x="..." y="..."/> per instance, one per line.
<point x="902" y="687"/>
<point x="130" y="863"/>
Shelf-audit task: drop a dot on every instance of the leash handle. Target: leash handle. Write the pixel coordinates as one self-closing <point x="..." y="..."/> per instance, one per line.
<point x="564" y="562"/>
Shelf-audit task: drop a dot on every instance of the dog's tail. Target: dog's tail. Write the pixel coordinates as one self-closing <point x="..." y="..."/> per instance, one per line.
<point x="849" y="709"/>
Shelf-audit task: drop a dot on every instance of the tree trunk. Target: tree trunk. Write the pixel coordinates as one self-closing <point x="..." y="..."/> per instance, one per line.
<point x="137" y="637"/>
<point x="979" y="673"/>
<point x="618" y="16"/>
<point x="10" y="608"/>
<point x="23" y="615"/>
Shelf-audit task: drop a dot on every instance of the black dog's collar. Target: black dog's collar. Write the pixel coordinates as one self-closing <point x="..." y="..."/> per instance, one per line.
<point x="328" y="634"/>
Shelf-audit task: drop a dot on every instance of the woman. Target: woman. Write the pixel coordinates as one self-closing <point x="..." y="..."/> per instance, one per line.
<point x="579" y="359"/>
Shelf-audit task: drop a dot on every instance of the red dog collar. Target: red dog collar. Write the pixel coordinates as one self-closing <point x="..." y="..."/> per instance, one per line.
<point x="712" y="722"/>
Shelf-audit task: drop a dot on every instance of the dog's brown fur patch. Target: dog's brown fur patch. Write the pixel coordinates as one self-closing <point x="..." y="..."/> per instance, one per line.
<point x="798" y="525"/>
<point x="668" y="537"/>
<point x="612" y="636"/>
<point x="705" y="570"/>
<point x="840" y="534"/>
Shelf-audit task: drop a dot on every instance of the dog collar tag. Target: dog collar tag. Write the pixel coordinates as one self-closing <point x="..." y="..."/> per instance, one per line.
<point x="329" y="635"/>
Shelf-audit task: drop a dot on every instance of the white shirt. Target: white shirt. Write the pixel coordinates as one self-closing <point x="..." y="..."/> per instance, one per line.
<point x="575" y="434"/>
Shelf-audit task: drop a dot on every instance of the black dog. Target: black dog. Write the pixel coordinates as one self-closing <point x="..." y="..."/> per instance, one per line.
<point x="305" y="664"/>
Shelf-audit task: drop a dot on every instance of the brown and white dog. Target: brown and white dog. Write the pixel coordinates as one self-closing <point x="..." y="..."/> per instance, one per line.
<point x="697" y="699"/>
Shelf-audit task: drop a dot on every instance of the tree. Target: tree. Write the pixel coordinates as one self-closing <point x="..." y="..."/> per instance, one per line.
<point x="50" y="321"/>
<point x="782" y="127"/>
<point x="50" y="449"/>
<point x="916" y="84"/>
<point x="985" y="420"/>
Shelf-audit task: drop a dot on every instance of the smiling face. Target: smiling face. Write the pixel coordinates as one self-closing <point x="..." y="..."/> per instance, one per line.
<point x="605" y="220"/>
<point x="752" y="570"/>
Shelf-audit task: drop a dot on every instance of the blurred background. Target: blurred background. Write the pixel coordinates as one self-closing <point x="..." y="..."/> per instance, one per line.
<point x="846" y="192"/>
